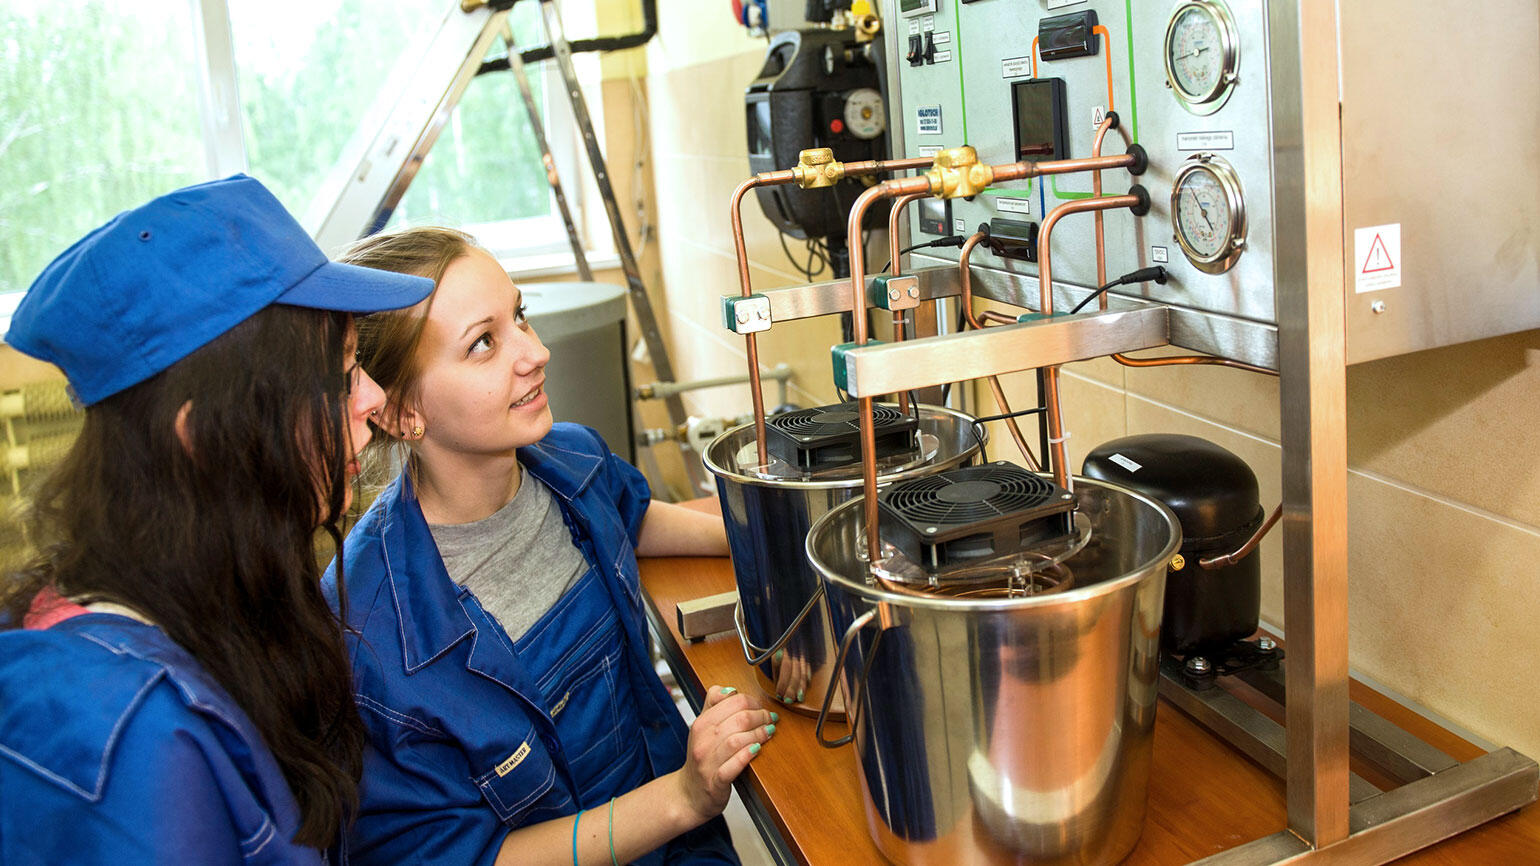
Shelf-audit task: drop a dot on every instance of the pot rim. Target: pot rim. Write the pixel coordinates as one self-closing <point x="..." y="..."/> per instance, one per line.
<point x="935" y="412"/>
<point x="1078" y="595"/>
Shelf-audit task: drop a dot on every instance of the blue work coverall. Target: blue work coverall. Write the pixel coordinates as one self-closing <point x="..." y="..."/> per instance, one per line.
<point x="116" y="747"/>
<point x="473" y="735"/>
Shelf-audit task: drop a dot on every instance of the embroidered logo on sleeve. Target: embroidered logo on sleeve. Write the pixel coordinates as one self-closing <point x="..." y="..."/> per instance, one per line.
<point x="514" y="760"/>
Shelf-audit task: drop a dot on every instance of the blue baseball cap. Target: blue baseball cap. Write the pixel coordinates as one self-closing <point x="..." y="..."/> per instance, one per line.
<point x="161" y="281"/>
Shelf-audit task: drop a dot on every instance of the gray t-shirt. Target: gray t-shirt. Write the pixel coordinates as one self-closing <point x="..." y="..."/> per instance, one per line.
<point x="519" y="561"/>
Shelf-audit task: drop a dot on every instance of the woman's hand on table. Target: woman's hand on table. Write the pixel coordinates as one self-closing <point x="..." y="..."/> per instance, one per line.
<point x="725" y="737"/>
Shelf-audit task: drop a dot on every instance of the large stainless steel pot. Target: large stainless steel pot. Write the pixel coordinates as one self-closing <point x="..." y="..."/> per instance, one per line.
<point x="1005" y="730"/>
<point x="781" y="621"/>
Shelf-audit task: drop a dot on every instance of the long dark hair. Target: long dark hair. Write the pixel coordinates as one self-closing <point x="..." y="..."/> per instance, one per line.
<point x="213" y="537"/>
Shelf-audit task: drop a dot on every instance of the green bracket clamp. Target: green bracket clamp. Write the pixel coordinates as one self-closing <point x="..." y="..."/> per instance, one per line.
<point x="839" y="353"/>
<point x="746" y="315"/>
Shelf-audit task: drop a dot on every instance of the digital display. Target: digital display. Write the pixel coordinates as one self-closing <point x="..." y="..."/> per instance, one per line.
<point x="1038" y="107"/>
<point x="907" y="8"/>
<point x="935" y="216"/>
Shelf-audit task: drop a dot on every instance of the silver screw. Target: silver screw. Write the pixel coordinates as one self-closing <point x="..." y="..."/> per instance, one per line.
<point x="743" y="316"/>
<point x="893" y="294"/>
<point x="914" y="291"/>
<point x="931" y="529"/>
<point x="1266" y="644"/>
<point x="1377" y="307"/>
<point x="1197" y="665"/>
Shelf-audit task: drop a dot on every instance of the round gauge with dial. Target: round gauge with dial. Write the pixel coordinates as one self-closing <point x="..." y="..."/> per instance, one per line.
<point x="1202" y="54"/>
<point x="1208" y="213"/>
<point x="864" y="114"/>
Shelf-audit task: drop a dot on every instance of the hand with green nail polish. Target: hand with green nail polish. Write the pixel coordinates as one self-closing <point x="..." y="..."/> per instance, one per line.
<point x="729" y="732"/>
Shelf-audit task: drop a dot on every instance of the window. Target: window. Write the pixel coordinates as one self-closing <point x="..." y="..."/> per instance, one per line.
<point x="98" y="113"/>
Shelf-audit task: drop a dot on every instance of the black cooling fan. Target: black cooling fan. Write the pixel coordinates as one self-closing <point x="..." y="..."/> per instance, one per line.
<point x="975" y="512"/>
<point x="830" y="436"/>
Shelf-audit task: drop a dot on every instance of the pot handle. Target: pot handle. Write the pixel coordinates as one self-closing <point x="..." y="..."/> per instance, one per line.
<point x="852" y="700"/>
<point x="756" y="656"/>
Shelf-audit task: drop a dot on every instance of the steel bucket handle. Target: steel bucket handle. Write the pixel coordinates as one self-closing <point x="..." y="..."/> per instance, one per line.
<point x="852" y="701"/>
<point x="756" y="656"/>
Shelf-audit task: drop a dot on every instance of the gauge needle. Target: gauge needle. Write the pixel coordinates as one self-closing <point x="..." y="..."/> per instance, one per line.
<point x="1201" y="209"/>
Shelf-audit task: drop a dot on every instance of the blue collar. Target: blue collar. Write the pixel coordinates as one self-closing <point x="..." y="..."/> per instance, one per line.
<point x="428" y="603"/>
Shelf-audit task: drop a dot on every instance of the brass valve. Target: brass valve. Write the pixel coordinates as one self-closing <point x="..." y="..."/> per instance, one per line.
<point x="817" y="168"/>
<point x="957" y="173"/>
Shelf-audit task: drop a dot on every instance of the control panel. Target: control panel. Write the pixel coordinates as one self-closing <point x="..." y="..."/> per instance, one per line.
<point x="1034" y="79"/>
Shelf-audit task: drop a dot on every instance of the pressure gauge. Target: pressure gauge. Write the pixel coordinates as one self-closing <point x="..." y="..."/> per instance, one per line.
<point x="864" y="115"/>
<point x="1202" y="54"/>
<point x="1208" y="213"/>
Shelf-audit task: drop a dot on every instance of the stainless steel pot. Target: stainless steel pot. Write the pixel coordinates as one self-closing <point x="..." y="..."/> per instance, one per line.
<point x="1005" y="730"/>
<point x="781" y="622"/>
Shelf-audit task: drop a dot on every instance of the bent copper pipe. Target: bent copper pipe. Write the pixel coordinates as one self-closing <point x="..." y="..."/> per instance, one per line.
<point x="1244" y="550"/>
<point x="1061" y="473"/>
<point x="894" y="254"/>
<point x="997" y="317"/>
<point x="745" y="288"/>
<point x="886" y="189"/>
<point x="965" y="283"/>
<point x="1108" y="123"/>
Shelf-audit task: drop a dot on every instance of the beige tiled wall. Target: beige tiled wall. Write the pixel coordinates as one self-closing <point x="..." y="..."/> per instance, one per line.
<point x="1444" y="491"/>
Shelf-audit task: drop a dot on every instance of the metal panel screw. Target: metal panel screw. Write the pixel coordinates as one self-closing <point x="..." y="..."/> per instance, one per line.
<point x="1198" y="665"/>
<point x="1266" y="644"/>
<point x="1377" y="307"/>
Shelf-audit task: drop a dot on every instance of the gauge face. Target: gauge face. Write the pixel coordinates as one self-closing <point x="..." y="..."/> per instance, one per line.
<point x="1208" y="213"/>
<point x="864" y="115"/>
<point x="1201" y="55"/>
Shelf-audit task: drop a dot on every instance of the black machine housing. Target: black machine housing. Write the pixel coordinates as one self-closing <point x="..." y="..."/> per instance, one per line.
<point x="1214" y="496"/>
<point x="972" y="513"/>
<point x="790" y="107"/>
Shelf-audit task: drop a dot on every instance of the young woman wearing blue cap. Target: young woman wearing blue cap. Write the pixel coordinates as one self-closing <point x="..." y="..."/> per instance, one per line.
<point x="501" y="657"/>
<point x="173" y="685"/>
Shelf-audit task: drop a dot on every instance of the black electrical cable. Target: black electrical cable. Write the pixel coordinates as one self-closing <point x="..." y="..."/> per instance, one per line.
<point x="603" y="43"/>
<point x="1143" y="275"/>
<point x="948" y="241"/>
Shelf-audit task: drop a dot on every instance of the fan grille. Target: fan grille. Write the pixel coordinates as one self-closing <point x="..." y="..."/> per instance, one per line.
<point x="969" y="495"/>
<point x="838" y="420"/>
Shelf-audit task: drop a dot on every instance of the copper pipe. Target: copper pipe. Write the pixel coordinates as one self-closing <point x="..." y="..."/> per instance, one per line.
<point x="1045" y="292"/>
<point x="996" y="390"/>
<point x="997" y="317"/>
<point x="745" y="288"/>
<point x="1023" y="170"/>
<point x="894" y="211"/>
<point x="886" y="189"/>
<point x="1208" y="360"/>
<point x="735" y="207"/>
<point x="884" y="166"/>
<point x="1245" y="549"/>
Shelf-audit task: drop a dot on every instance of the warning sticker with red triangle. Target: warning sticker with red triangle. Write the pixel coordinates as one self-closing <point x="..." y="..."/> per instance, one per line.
<point x="1377" y="256"/>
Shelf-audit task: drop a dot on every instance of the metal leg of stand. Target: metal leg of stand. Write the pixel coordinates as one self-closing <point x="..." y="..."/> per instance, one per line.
<point x="640" y="302"/>
<point x="537" y="126"/>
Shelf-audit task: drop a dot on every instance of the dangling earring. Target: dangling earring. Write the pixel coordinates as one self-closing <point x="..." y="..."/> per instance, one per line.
<point x="417" y="432"/>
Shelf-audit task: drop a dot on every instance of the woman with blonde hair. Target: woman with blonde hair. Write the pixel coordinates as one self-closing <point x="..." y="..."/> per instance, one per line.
<point x="501" y="663"/>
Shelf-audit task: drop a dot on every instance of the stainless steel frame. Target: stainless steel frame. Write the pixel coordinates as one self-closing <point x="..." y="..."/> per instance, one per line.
<point x="1333" y="817"/>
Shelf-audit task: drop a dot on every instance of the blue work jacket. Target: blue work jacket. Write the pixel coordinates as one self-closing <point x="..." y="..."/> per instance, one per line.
<point x="462" y="748"/>
<point x="116" y="747"/>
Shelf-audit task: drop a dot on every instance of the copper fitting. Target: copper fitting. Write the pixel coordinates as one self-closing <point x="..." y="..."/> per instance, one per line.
<point x="957" y="173"/>
<point x="816" y="168"/>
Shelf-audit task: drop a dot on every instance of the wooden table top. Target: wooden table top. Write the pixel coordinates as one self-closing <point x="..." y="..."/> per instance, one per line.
<point x="1204" y="797"/>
